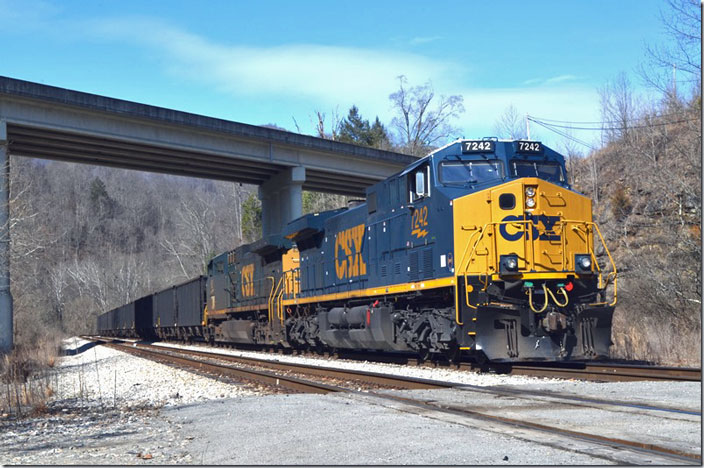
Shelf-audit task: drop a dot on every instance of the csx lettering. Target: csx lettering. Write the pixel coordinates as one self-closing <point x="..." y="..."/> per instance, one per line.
<point x="348" y="253"/>
<point x="548" y="223"/>
<point x="248" y="280"/>
<point x="419" y="221"/>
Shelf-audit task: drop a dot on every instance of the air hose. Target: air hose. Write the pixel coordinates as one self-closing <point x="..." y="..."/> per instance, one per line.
<point x="530" y="300"/>
<point x="547" y="292"/>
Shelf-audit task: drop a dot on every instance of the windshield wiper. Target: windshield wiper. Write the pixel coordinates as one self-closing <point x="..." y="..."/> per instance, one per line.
<point x="469" y="171"/>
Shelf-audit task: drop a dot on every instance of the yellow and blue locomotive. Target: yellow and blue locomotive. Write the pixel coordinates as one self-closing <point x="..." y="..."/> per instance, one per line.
<point x="479" y="248"/>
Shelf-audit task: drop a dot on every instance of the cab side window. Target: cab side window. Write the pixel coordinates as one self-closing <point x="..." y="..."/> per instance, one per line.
<point x="419" y="183"/>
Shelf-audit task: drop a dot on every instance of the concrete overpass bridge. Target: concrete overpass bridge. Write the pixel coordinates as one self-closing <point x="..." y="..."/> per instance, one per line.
<point x="47" y="122"/>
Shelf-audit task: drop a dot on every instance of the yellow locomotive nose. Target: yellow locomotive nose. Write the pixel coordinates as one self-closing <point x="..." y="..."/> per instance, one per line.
<point x="527" y="267"/>
<point x="542" y="227"/>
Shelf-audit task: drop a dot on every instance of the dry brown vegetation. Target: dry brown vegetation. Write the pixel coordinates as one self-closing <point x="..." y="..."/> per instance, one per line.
<point x="646" y="187"/>
<point x="27" y="377"/>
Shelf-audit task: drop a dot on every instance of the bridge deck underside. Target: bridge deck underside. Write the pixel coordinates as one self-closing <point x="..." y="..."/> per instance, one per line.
<point x="53" y="144"/>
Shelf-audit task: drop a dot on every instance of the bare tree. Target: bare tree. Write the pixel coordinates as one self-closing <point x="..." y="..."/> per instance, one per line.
<point x="682" y="21"/>
<point x="193" y="244"/>
<point x="421" y="120"/>
<point x="511" y="125"/>
<point x="328" y="130"/>
<point x="618" y="108"/>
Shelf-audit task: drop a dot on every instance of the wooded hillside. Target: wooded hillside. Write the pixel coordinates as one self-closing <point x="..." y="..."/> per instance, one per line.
<point x="87" y="239"/>
<point x="646" y="188"/>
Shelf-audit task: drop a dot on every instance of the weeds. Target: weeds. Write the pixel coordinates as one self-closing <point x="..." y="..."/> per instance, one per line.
<point x="27" y="379"/>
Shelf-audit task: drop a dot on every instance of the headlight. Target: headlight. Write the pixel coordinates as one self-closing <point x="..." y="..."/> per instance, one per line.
<point x="583" y="263"/>
<point x="530" y="191"/>
<point x="508" y="264"/>
<point x="530" y="202"/>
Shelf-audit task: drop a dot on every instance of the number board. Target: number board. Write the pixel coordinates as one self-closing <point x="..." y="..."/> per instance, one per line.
<point x="478" y="146"/>
<point x="532" y="147"/>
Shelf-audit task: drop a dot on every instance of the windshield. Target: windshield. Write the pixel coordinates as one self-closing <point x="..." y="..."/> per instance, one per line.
<point x="470" y="172"/>
<point x="549" y="171"/>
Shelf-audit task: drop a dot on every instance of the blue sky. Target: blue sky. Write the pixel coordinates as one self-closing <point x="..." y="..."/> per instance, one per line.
<point x="273" y="61"/>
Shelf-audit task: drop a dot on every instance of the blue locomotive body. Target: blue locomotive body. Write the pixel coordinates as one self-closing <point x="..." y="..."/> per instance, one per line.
<point x="479" y="248"/>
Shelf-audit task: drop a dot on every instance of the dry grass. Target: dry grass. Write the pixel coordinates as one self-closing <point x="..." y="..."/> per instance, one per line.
<point x="665" y="342"/>
<point x="26" y="377"/>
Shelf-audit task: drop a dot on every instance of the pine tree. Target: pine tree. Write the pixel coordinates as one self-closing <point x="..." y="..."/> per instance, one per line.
<point x="354" y="129"/>
<point x="379" y="136"/>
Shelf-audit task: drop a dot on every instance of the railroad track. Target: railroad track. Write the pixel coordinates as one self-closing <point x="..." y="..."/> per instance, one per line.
<point x="608" y="372"/>
<point x="273" y="373"/>
<point x="603" y="371"/>
<point x="316" y="379"/>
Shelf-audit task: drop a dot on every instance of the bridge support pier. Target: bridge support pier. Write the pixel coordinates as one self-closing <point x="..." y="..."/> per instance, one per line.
<point x="6" y="322"/>
<point x="281" y="199"/>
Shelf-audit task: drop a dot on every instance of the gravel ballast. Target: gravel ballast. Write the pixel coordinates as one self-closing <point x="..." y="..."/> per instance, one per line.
<point x="114" y="408"/>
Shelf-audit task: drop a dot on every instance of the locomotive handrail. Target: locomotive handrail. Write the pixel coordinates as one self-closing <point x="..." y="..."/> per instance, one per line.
<point x="271" y="295"/>
<point x="527" y="227"/>
<point x="292" y="276"/>
<point x="275" y="305"/>
<point x="612" y="274"/>
<point x="279" y="304"/>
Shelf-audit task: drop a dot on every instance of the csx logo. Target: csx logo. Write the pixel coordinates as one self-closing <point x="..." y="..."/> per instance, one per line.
<point x="248" y="280"/>
<point x="548" y="223"/>
<point x="348" y="253"/>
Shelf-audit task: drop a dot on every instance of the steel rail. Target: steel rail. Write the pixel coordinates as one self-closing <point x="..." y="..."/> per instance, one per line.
<point x="576" y="400"/>
<point x="609" y="372"/>
<point x="643" y="447"/>
<point x="373" y="378"/>
<point x="268" y="378"/>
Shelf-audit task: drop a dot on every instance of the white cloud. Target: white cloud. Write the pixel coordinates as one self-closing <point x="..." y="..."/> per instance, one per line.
<point x="553" y="80"/>
<point x="332" y="76"/>
<point x="424" y="40"/>
<point x="324" y="73"/>
<point x="561" y="79"/>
